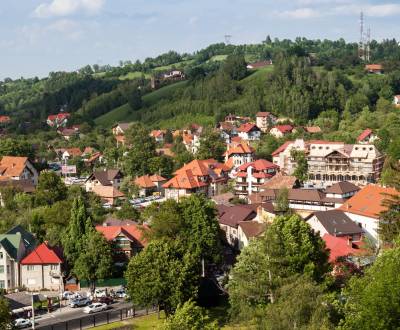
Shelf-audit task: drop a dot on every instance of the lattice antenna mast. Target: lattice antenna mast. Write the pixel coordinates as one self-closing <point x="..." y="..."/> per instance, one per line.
<point x="368" y="50"/>
<point x="361" y="45"/>
<point x="228" y="38"/>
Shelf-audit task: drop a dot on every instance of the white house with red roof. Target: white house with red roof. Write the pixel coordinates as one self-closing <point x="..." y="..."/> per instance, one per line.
<point x="208" y="177"/>
<point x="41" y="269"/>
<point x="249" y="132"/>
<point x="158" y="135"/>
<point x="282" y="156"/>
<point x="238" y="154"/>
<point x="127" y="240"/>
<point x="251" y="176"/>
<point x="280" y="131"/>
<point x="58" y="120"/>
<point x="149" y="184"/>
<point x="367" y="136"/>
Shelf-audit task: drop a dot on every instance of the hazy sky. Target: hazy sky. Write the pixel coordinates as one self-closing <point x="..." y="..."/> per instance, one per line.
<point x="38" y="36"/>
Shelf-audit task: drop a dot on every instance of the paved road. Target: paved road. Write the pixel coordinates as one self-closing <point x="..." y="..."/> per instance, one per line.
<point x="77" y="318"/>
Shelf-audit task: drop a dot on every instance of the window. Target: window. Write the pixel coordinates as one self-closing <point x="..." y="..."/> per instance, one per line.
<point x="1" y="269"/>
<point x="31" y="267"/>
<point x="54" y="267"/>
<point x="8" y="269"/>
<point x="1" y="255"/>
<point x="2" y="284"/>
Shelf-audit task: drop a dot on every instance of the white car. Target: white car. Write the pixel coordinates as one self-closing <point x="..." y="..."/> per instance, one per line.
<point x="98" y="293"/>
<point x="94" y="308"/>
<point x="22" y="323"/>
<point x="120" y="293"/>
<point x="67" y="295"/>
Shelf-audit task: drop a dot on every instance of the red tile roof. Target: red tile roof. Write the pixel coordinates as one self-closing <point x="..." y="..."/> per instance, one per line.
<point x="42" y="255"/>
<point x="132" y="232"/>
<point x="12" y="165"/>
<point x="248" y="127"/>
<point x="157" y="178"/>
<point x="59" y="116"/>
<point x="373" y="67"/>
<point x="339" y="247"/>
<point x="242" y="148"/>
<point x="284" y="128"/>
<point x="259" y="165"/>
<point x="263" y="114"/>
<point x="369" y="201"/>
<point x="312" y="129"/>
<point x="184" y="180"/>
<point x="282" y="148"/>
<point x="144" y="182"/>
<point x="366" y="133"/>
<point x="5" y="119"/>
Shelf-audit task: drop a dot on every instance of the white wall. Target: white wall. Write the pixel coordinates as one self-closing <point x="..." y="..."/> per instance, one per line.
<point x="370" y="225"/>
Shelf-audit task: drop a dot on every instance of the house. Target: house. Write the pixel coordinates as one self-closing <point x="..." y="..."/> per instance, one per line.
<point x="238" y="154"/>
<point x="341" y="248"/>
<point x="248" y="230"/>
<point x="396" y="100"/>
<point x="251" y="176"/>
<point x="227" y="131"/>
<point x="249" y="132"/>
<point x="335" y="223"/>
<point x="119" y="131"/>
<point x="58" y="120"/>
<point x="158" y="135"/>
<point x="14" y="246"/>
<point x="282" y="156"/>
<point x="4" y="120"/>
<point x="342" y="190"/>
<point x="174" y="75"/>
<point x="365" y="208"/>
<point x="366" y="137"/>
<point x="68" y="133"/>
<point x="108" y="194"/>
<point x="265" y="120"/>
<point x="281" y="181"/>
<point x="280" y="131"/>
<point x="191" y="142"/>
<point x="111" y="177"/>
<point x="374" y="68"/>
<point x="258" y="65"/>
<point x="150" y="184"/>
<point x="233" y="119"/>
<point x="199" y="176"/>
<point x="229" y="218"/>
<point x="126" y="240"/>
<point x="93" y="159"/>
<point x="41" y="269"/>
<point x="70" y="153"/>
<point x="18" y="168"/>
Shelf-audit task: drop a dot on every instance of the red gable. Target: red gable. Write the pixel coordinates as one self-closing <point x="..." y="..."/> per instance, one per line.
<point x="248" y="127"/>
<point x="42" y="255"/>
<point x="284" y="128"/>
<point x="59" y="116"/>
<point x="133" y="232"/>
<point x="366" y="133"/>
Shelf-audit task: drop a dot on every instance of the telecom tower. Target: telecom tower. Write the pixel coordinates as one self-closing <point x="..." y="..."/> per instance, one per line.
<point x="364" y="49"/>
<point x="227" y="39"/>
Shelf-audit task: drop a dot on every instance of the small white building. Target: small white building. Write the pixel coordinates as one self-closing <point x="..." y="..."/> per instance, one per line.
<point x="249" y="132"/>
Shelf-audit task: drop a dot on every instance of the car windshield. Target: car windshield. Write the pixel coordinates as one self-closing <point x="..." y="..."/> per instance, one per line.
<point x="91" y="306"/>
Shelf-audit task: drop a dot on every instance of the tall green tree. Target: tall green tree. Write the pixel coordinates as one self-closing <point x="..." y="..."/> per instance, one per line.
<point x="50" y="189"/>
<point x="5" y="314"/>
<point x="301" y="171"/>
<point x="211" y="146"/>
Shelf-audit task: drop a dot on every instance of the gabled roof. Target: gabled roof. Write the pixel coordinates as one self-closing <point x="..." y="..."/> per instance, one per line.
<point x="252" y="228"/>
<point x="233" y="215"/>
<point x="132" y="231"/>
<point x="105" y="176"/>
<point x="12" y="166"/>
<point x="197" y="167"/>
<point x="369" y="201"/>
<point x="75" y="152"/>
<point x="338" y="247"/>
<point x="342" y="187"/>
<point x="242" y="148"/>
<point x="12" y="240"/>
<point x="144" y="182"/>
<point x="280" y="181"/>
<point x="284" y="128"/>
<point x="248" y="127"/>
<point x="264" y="114"/>
<point x="184" y="180"/>
<point x="42" y="255"/>
<point x="123" y="126"/>
<point x="337" y="223"/>
<point x="259" y="165"/>
<point x="157" y="178"/>
<point x="107" y="192"/>
<point x="366" y="133"/>
<point x="4" y="119"/>
<point x="312" y="129"/>
<point x="59" y="116"/>
<point x="282" y="148"/>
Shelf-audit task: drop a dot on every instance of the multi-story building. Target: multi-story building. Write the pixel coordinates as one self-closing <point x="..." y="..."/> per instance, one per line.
<point x="106" y="178"/>
<point x="282" y="156"/>
<point x="265" y="120"/>
<point x="238" y="154"/>
<point x="199" y="176"/>
<point x="333" y="162"/>
<point x="249" y="132"/>
<point x="251" y="176"/>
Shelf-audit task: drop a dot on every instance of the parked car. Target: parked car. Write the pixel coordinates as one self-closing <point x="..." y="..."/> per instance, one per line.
<point x="67" y="295"/>
<point x="94" y="308"/>
<point x="22" y="323"/>
<point x="79" y="302"/>
<point x="120" y="293"/>
<point x="106" y="300"/>
<point x="100" y="293"/>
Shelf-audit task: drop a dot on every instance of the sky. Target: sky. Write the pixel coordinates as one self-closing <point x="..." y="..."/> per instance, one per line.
<point x="39" y="36"/>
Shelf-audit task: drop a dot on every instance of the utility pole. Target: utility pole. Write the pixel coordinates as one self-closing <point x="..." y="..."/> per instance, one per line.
<point x="33" y="313"/>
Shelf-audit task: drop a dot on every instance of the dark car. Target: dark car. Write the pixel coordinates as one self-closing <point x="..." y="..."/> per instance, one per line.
<point x="106" y="300"/>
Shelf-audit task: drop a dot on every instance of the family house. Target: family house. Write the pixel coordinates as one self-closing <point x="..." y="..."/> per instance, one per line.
<point x="108" y="194"/>
<point x="265" y="120"/>
<point x="238" y="154"/>
<point x="158" y="135"/>
<point x="396" y="100"/>
<point x="127" y="239"/>
<point x="41" y="269"/>
<point x="14" y="246"/>
<point x="227" y="131"/>
<point x="18" y="168"/>
<point x="110" y="178"/>
<point x="374" y="68"/>
<point x="249" y="132"/>
<point x="366" y="137"/>
<point x="199" y="176"/>
<point x="149" y="184"/>
<point x="58" y="120"/>
<point x="119" y="131"/>
<point x="248" y="230"/>
<point x="251" y="176"/>
<point x="365" y="208"/>
<point x="259" y="65"/>
<point x="280" y="131"/>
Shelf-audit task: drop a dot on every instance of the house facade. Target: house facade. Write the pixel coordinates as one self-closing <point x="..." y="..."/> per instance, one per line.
<point x="265" y="120"/>
<point x="396" y="100"/>
<point x="238" y="154"/>
<point x="58" y="120"/>
<point x="251" y="176"/>
<point x="41" y="269"/>
<point x="119" y="131"/>
<point x="110" y="177"/>
<point x="149" y="184"/>
<point x="249" y="132"/>
<point x="282" y="156"/>
<point x="366" y="137"/>
<point x="280" y="131"/>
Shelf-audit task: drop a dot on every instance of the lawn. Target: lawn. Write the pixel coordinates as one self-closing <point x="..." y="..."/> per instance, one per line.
<point x="218" y="58"/>
<point x="134" y="75"/>
<point x="153" y="97"/>
<point x="120" y="114"/>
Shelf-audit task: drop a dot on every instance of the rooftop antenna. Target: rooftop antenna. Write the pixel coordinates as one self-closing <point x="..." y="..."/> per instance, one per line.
<point x="228" y="38"/>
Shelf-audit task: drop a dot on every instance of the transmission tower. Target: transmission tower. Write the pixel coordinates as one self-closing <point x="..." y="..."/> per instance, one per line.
<point x="228" y="38"/>
<point x="364" y="49"/>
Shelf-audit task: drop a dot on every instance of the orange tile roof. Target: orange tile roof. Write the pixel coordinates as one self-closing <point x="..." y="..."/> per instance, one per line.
<point x="229" y="163"/>
<point x="365" y="133"/>
<point x="74" y="151"/>
<point x="369" y="201"/>
<point x="144" y="182"/>
<point x="282" y="148"/>
<point x="248" y="127"/>
<point x="157" y="133"/>
<point x="133" y="232"/>
<point x="184" y="180"/>
<point x="373" y="67"/>
<point x="157" y="178"/>
<point x="242" y="148"/>
<point x="5" y="119"/>
<point x="12" y="166"/>
<point x="312" y="129"/>
<point x="197" y="167"/>
<point x="187" y="138"/>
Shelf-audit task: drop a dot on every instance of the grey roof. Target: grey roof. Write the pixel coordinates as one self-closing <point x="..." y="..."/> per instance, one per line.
<point x="342" y="187"/>
<point x="105" y="176"/>
<point x="231" y="216"/>
<point x="337" y="223"/>
<point x="11" y="241"/>
<point x="124" y="126"/>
